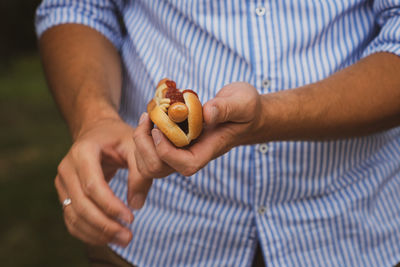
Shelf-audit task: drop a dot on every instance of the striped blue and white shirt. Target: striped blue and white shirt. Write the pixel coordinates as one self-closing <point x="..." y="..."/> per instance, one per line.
<point x="333" y="203"/>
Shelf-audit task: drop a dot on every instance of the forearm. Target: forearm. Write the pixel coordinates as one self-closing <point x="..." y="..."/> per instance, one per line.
<point x="83" y="71"/>
<point x="359" y="100"/>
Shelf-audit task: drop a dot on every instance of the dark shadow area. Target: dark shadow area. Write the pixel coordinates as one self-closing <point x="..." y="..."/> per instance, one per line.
<point x="34" y="138"/>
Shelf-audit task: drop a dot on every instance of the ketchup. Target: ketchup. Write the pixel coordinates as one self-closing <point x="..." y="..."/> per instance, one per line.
<point x="174" y="95"/>
<point x="170" y="84"/>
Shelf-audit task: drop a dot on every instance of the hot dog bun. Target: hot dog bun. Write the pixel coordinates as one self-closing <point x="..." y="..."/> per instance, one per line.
<point x="195" y="115"/>
<point x="158" y="110"/>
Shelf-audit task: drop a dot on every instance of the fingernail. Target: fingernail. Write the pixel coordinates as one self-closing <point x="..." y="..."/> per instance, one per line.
<point x="125" y="217"/>
<point x="142" y="118"/>
<point x="137" y="201"/>
<point x="122" y="238"/>
<point x="156" y="136"/>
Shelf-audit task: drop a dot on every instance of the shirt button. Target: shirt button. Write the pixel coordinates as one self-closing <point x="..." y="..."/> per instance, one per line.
<point x="263" y="148"/>
<point x="261" y="210"/>
<point x="260" y="11"/>
<point x="266" y="83"/>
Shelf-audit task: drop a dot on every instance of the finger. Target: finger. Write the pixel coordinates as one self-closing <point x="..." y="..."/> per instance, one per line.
<point x="147" y="161"/>
<point x="111" y="161"/>
<point x="138" y="185"/>
<point x="188" y="161"/>
<point x="85" y="220"/>
<point x="110" y="154"/>
<point x="183" y="160"/>
<point x="94" y="185"/>
<point x="85" y="231"/>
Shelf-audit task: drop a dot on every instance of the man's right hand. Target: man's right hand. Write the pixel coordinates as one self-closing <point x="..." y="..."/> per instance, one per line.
<point x="83" y="70"/>
<point x="96" y="215"/>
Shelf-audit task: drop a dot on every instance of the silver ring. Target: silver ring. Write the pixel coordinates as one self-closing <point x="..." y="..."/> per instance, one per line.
<point x="66" y="202"/>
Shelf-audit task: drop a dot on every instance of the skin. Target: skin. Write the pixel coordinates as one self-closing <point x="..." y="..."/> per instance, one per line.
<point x="83" y="70"/>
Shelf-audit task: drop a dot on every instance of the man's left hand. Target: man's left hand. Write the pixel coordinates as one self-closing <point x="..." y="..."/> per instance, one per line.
<point x="232" y="118"/>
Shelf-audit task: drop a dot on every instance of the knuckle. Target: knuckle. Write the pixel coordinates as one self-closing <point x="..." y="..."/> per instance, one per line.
<point x="163" y="153"/>
<point x="96" y="242"/>
<point x="57" y="182"/>
<point x="136" y="136"/>
<point x="189" y="170"/>
<point x="73" y="231"/>
<point x="110" y="210"/>
<point x="62" y="168"/>
<point x="75" y="150"/>
<point x="140" y="165"/>
<point x="71" y="222"/>
<point x="102" y="240"/>
<point x="79" y="149"/>
<point x="154" y="166"/>
<point x="150" y="167"/>
<point x="80" y="209"/>
<point x="252" y="106"/>
<point x="88" y="186"/>
<point x="226" y="137"/>
<point x="106" y="231"/>
<point x="147" y="173"/>
<point x="227" y="111"/>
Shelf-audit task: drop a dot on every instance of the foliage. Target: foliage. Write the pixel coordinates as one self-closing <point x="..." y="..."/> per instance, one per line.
<point x="33" y="140"/>
<point x="16" y="28"/>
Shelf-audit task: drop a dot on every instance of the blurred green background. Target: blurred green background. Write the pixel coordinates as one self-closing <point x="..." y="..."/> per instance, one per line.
<point x="33" y="138"/>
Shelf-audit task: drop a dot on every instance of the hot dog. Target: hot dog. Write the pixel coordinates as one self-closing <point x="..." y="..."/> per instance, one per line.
<point x="177" y="113"/>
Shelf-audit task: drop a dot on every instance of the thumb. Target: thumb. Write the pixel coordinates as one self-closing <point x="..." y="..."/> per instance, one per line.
<point x="236" y="102"/>
<point x="216" y="111"/>
<point x="223" y="109"/>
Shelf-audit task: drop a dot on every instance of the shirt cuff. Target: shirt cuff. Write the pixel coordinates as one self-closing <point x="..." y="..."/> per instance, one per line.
<point x="106" y="22"/>
<point x="388" y="39"/>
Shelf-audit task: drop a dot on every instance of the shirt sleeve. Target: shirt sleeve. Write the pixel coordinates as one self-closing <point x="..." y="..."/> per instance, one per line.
<point x="101" y="15"/>
<point x="387" y="15"/>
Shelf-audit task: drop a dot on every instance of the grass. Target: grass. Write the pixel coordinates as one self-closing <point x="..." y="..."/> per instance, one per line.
<point x="34" y="139"/>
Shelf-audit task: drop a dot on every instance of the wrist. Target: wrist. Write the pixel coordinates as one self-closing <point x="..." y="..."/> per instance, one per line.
<point x="278" y="113"/>
<point x="260" y="128"/>
<point x="91" y="115"/>
<point x="296" y="114"/>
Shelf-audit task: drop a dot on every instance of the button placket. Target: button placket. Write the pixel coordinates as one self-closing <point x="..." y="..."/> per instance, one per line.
<point x="260" y="11"/>
<point x="261" y="210"/>
<point x="266" y="83"/>
<point x="263" y="148"/>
